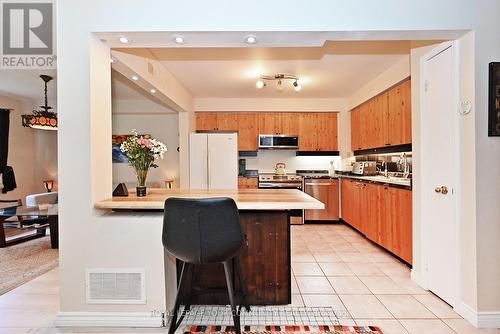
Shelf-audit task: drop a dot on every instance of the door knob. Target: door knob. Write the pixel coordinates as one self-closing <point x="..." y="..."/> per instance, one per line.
<point x="443" y="190"/>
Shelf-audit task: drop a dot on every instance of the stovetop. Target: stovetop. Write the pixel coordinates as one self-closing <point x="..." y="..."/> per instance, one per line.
<point x="313" y="173"/>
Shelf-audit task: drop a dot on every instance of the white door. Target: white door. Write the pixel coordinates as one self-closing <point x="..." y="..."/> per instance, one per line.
<point x="198" y="161"/>
<point x="439" y="171"/>
<point x="223" y="161"/>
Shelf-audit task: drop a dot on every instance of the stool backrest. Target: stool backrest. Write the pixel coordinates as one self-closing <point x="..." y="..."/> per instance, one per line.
<point x="202" y="230"/>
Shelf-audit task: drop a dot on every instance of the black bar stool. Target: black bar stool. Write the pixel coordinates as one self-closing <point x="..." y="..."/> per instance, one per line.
<point x="201" y="231"/>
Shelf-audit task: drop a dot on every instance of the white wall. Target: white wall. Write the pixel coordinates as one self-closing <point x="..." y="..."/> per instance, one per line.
<point x="81" y="107"/>
<point x="164" y="127"/>
<point x="32" y="153"/>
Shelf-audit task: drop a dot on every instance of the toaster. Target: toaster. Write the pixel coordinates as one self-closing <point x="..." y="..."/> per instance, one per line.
<point x="365" y="168"/>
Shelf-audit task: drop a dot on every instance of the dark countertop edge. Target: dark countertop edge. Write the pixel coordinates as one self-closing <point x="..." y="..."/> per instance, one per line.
<point x="389" y="184"/>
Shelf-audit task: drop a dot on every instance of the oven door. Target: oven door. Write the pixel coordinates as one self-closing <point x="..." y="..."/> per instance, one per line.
<point x="280" y="185"/>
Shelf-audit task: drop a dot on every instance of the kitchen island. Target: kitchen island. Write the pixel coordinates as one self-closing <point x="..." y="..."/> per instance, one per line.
<point x="265" y="258"/>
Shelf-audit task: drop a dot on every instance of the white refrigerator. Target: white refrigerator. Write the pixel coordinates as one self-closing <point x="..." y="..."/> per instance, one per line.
<point x="213" y="161"/>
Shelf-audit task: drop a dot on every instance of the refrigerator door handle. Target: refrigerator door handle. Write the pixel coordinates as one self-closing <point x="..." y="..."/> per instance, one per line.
<point x="208" y="169"/>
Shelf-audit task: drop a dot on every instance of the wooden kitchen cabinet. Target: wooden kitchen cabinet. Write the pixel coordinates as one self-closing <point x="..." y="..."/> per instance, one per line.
<point x="269" y="123"/>
<point x="248" y="131"/>
<point x="399" y="114"/>
<point x="327" y="127"/>
<point x="227" y="122"/>
<point x="384" y="120"/>
<point x="248" y="182"/>
<point x="380" y="212"/>
<point x="206" y="121"/>
<point x="318" y="132"/>
<point x="308" y="127"/>
<point x="289" y="123"/>
<point x="264" y="258"/>
<point x="278" y="123"/>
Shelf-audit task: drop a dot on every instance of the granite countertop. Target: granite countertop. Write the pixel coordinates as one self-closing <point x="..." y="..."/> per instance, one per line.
<point x="246" y="199"/>
<point x="399" y="182"/>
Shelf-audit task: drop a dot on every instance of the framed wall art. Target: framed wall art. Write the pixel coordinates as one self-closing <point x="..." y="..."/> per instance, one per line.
<point x="494" y="101"/>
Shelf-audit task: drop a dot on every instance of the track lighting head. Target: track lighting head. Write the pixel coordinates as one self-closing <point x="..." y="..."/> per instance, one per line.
<point x="279" y="78"/>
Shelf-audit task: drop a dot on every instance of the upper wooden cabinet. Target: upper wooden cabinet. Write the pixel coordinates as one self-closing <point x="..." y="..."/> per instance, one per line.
<point x="318" y="132"/>
<point x="384" y="120"/>
<point x="206" y="121"/>
<point x="248" y="131"/>
<point x="278" y="123"/>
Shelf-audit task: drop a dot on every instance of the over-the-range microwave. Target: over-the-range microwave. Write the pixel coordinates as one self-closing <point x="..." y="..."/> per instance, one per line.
<point x="278" y="142"/>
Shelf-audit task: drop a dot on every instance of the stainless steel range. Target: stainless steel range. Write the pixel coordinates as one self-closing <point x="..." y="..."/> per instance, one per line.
<point x="286" y="181"/>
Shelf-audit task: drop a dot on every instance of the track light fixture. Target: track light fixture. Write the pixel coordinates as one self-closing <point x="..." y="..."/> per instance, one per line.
<point x="280" y="78"/>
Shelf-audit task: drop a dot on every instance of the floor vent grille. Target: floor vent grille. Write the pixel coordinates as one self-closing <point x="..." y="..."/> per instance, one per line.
<point x="115" y="286"/>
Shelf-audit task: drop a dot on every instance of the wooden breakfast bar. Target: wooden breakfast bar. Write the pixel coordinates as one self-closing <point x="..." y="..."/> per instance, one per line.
<point x="265" y="221"/>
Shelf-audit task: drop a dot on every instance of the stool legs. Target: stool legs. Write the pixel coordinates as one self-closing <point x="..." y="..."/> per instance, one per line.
<point x="230" y="290"/>
<point x="182" y="279"/>
<point x="243" y="286"/>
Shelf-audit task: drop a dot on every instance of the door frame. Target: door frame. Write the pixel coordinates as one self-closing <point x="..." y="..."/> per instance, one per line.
<point x="425" y="222"/>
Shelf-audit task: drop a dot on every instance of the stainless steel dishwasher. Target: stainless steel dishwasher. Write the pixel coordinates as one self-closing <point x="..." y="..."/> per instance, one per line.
<point x="327" y="192"/>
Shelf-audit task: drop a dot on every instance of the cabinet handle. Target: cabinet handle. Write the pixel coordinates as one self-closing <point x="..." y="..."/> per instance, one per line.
<point x="387" y="144"/>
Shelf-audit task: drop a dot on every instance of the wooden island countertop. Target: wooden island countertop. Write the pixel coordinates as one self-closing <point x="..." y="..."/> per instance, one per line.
<point x="246" y="199"/>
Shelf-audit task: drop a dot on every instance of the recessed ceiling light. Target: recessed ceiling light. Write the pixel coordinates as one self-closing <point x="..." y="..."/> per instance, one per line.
<point x="251" y="39"/>
<point x="135" y="77"/>
<point x="260" y="84"/>
<point x="152" y="90"/>
<point x="112" y="60"/>
<point x="124" y="40"/>
<point x="179" y="39"/>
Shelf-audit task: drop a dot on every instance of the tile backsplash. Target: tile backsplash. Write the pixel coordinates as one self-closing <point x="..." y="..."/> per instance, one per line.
<point x="265" y="161"/>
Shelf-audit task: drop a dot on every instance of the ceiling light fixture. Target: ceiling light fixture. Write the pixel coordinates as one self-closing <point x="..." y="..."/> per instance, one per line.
<point x="280" y="78"/>
<point x="152" y="90"/>
<point x="112" y="60"/>
<point x="179" y="39"/>
<point x="250" y="39"/>
<point x="135" y="77"/>
<point x="124" y="40"/>
<point x="297" y="86"/>
<point x="43" y="119"/>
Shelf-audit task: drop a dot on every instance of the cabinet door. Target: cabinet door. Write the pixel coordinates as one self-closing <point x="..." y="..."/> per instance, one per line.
<point x="364" y="125"/>
<point x="227" y="121"/>
<point x="355" y="129"/>
<point x="248" y="131"/>
<point x="385" y="217"/>
<point x="399" y="126"/>
<point x="206" y="121"/>
<point x="363" y="223"/>
<point x="401" y="211"/>
<point x="380" y="125"/>
<point x="289" y="123"/>
<point x="265" y="258"/>
<point x="269" y="123"/>
<point x="308" y="128"/>
<point x="406" y="94"/>
<point x="327" y="132"/>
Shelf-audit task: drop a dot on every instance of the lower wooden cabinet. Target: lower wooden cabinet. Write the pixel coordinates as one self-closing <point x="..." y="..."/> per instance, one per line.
<point x="265" y="264"/>
<point x="248" y="182"/>
<point x="382" y="213"/>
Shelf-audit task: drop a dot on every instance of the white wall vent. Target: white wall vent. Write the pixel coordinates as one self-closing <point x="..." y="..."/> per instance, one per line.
<point x="115" y="286"/>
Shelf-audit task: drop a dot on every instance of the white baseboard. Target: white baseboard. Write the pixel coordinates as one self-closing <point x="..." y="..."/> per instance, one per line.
<point x="108" y="319"/>
<point x="478" y="319"/>
<point x="417" y="278"/>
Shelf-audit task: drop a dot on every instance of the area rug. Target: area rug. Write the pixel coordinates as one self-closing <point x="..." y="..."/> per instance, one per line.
<point x="271" y="329"/>
<point x="25" y="261"/>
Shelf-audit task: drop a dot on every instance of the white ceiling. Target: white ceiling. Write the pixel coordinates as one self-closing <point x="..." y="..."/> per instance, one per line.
<point x="329" y="77"/>
<point x="335" y="70"/>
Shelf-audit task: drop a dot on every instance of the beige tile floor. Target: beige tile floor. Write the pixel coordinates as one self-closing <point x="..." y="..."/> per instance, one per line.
<point x="333" y="266"/>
